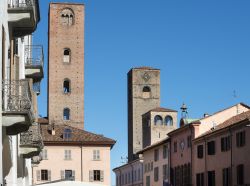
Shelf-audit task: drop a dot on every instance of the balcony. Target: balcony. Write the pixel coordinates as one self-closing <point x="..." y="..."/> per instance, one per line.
<point x="23" y="16"/>
<point x="31" y="143"/>
<point x="17" y="106"/>
<point x="33" y="56"/>
<point x="35" y="160"/>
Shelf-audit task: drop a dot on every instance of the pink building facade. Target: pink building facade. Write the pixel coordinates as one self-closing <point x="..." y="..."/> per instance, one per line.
<point x="182" y="151"/>
<point x="221" y="155"/>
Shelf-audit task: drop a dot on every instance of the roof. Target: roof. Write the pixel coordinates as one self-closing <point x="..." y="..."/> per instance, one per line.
<point x="70" y="183"/>
<point x="144" y="68"/>
<point x="43" y="120"/>
<point x="161" y="109"/>
<point x="78" y="136"/>
<point x="230" y="122"/>
<point x="128" y="164"/>
<point x="153" y="145"/>
<point x="67" y="3"/>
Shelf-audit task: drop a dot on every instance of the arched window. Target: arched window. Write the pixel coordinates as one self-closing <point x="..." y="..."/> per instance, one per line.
<point x="66" y="113"/>
<point x="146" y="92"/>
<point x="67" y="133"/>
<point x="66" y="55"/>
<point x="169" y="121"/>
<point x="66" y="86"/>
<point x="67" y="17"/>
<point x="158" y="120"/>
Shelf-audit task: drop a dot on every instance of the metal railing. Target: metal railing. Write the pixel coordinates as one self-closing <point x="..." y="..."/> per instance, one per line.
<point x="20" y="3"/>
<point x="36" y="87"/>
<point x="33" y="55"/>
<point x="32" y="137"/>
<point x="16" y="96"/>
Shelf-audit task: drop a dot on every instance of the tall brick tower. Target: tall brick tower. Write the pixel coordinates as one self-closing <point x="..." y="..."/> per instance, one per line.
<point x="66" y="64"/>
<point x="143" y="95"/>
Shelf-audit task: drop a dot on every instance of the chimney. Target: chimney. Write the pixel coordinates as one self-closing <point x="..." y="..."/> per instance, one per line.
<point x="206" y="115"/>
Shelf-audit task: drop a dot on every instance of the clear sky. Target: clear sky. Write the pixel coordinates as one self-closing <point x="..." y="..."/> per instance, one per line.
<point x="201" y="47"/>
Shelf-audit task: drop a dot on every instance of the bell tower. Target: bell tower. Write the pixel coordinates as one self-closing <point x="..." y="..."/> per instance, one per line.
<point x="66" y="64"/>
<point x="143" y="95"/>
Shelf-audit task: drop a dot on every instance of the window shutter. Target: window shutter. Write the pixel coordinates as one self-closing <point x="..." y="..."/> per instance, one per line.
<point x="49" y="175"/>
<point x="91" y="177"/>
<point x="73" y="174"/>
<point x="102" y="176"/>
<point x="38" y="175"/>
<point x="62" y="174"/>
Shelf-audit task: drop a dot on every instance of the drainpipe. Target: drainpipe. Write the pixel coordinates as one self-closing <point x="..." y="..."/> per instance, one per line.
<point x="191" y="148"/>
<point x="132" y="174"/>
<point x="205" y="158"/>
<point x="231" y="151"/>
<point x="81" y="164"/>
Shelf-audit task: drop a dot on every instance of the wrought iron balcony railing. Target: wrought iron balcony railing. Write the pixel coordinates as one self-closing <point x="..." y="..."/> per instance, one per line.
<point x="19" y="3"/>
<point x="33" y="55"/>
<point x="31" y="141"/>
<point x="16" y="96"/>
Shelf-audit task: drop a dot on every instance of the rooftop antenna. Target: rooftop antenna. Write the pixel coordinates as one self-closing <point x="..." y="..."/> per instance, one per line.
<point x="235" y="97"/>
<point x="124" y="160"/>
<point x="184" y="112"/>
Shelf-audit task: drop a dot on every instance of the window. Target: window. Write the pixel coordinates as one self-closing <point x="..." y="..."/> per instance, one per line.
<point x="139" y="174"/>
<point x="175" y="146"/>
<point x="66" y="113"/>
<point x="66" y="55"/>
<point x="156" y="154"/>
<point x="240" y="174"/>
<point x="66" y="86"/>
<point x="200" y="151"/>
<point x="151" y="166"/>
<point x="146" y="92"/>
<point x="211" y="178"/>
<point x="67" y="134"/>
<point x="156" y="174"/>
<point x="225" y="143"/>
<point x="226" y="177"/>
<point x="240" y="139"/>
<point x="165" y="171"/>
<point x="96" y="154"/>
<point x="69" y="175"/>
<point x="67" y="154"/>
<point x="44" y="154"/>
<point x="147" y="180"/>
<point x="158" y="120"/>
<point x="45" y="175"/>
<point x="200" y="179"/>
<point x="169" y="121"/>
<point x="97" y="175"/>
<point x="211" y="148"/>
<point x="189" y="141"/>
<point x="67" y="17"/>
<point x="165" y="152"/>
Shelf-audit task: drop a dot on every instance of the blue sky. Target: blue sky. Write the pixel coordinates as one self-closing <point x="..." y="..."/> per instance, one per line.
<point x="201" y="47"/>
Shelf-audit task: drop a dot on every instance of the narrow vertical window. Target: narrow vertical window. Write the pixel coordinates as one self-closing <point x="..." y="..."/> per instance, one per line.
<point x="66" y="113"/>
<point x="66" y="86"/>
<point x="146" y="92"/>
<point x="66" y="55"/>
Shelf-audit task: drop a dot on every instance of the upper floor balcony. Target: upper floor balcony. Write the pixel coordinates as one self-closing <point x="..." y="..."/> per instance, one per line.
<point x="23" y="16"/>
<point x="34" y="58"/>
<point x="17" y="106"/>
<point x="31" y="143"/>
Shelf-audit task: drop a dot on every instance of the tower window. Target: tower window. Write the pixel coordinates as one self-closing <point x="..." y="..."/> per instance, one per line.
<point x="66" y="86"/>
<point x="66" y="113"/>
<point x="146" y="92"/>
<point x="67" y="134"/>
<point x="158" y="120"/>
<point x="67" y="17"/>
<point x="169" y="121"/>
<point x="66" y="55"/>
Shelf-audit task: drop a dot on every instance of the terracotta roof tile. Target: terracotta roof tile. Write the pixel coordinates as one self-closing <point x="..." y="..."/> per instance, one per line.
<point x="161" y="109"/>
<point x="145" y="68"/>
<point x="78" y="136"/>
<point x="231" y="121"/>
